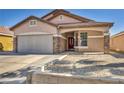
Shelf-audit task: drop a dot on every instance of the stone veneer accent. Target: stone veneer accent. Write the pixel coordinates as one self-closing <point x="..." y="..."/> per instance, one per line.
<point x="106" y="44"/>
<point x="56" y="44"/>
<point x="15" y="44"/>
<point x="59" y="44"/>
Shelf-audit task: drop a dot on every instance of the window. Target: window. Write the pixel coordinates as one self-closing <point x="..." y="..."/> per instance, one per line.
<point x="61" y="17"/>
<point x="33" y="22"/>
<point x="83" y="37"/>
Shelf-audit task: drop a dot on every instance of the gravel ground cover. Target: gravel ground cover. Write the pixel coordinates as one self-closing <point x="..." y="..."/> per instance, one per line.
<point x="94" y="65"/>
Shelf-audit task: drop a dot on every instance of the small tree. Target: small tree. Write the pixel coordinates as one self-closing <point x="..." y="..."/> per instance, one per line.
<point x="1" y="46"/>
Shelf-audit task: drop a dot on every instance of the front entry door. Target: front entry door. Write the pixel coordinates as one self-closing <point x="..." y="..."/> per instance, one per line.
<point x="70" y="42"/>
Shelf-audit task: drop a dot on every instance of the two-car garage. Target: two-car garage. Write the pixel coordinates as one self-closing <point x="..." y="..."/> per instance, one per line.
<point x="37" y="43"/>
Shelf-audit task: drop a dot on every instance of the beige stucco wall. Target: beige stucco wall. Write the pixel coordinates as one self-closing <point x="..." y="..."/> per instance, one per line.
<point x="117" y="43"/>
<point x="65" y="19"/>
<point x="40" y="27"/>
<point x="93" y="33"/>
<point x="63" y="44"/>
<point x="47" y="17"/>
<point x="94" y="43"/>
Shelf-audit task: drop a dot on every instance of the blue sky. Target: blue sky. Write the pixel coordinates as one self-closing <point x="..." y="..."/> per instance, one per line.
<point x="9" y="17"/>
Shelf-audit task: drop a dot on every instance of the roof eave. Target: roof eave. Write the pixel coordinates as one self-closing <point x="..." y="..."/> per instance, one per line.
<point x="6" y="35"/>
<point x="99" y="25"/>
<point x="118" y="34"/>
<point x="11" y="28"/>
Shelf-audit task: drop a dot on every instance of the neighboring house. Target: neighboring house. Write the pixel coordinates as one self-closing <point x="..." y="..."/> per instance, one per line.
<point x="117" y="42"/>
<point x="6" y="39"/>
<point x="61" y="30"/>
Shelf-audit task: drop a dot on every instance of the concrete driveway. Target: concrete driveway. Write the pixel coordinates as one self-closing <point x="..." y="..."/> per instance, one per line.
<point x="14" y="68"/>
<point x="15" y="62"/>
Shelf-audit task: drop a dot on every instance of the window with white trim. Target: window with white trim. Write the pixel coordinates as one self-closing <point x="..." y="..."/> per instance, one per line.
<point x="33" y="22"/>
<point x="83" y="37"/>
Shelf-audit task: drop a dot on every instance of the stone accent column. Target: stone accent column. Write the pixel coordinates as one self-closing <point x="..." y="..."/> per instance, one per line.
<point x="56" y="44"/>
<point x="14" y="44"/>
<point x="106" y="43"/>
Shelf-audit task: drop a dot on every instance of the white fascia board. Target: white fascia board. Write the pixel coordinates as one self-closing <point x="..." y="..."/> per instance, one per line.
<point x="6" y="34"/>
<point x="35" y="33"/>
<point x="59" y="36"/>
<point x="105" y="34"/>
<point x="81" y="47"/>
<point x="95" y="36"/>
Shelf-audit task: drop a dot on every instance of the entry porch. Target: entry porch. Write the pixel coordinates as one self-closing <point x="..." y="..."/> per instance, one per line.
<point x="84" y="41"/>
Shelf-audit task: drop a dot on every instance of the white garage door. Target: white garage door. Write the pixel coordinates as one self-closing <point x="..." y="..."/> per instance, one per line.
<point x="35" y="44"/>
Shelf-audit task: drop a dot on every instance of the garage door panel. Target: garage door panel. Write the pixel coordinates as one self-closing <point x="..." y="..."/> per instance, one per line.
<point x="35" y="44"/>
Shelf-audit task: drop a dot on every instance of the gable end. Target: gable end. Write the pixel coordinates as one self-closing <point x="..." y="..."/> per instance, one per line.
<point x="57" y="12"/>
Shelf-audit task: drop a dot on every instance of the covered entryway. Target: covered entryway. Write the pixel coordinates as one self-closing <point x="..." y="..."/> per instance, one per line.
<point x="85" y="40"/>
<point x="70" y="42"/>
<point x="35" y="43"/>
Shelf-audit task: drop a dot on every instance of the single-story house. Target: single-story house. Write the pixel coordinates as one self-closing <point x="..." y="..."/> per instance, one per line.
<point x="59" y="31"/>
<point x="117" y="42"/>
<point x="6" y="39"/>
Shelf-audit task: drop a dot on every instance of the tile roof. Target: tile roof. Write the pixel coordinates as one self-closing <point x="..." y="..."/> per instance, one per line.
<point x="86" y="24"/>
<point x="5" y="31"/>
<point x="118" y="34"/>
<point x="56" y="12"/>
<point x="31" y="17"/>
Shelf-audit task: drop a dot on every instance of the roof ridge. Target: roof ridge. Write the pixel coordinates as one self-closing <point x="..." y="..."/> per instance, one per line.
<point x="55" y="10"/>
<point x="69" y="13"/>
